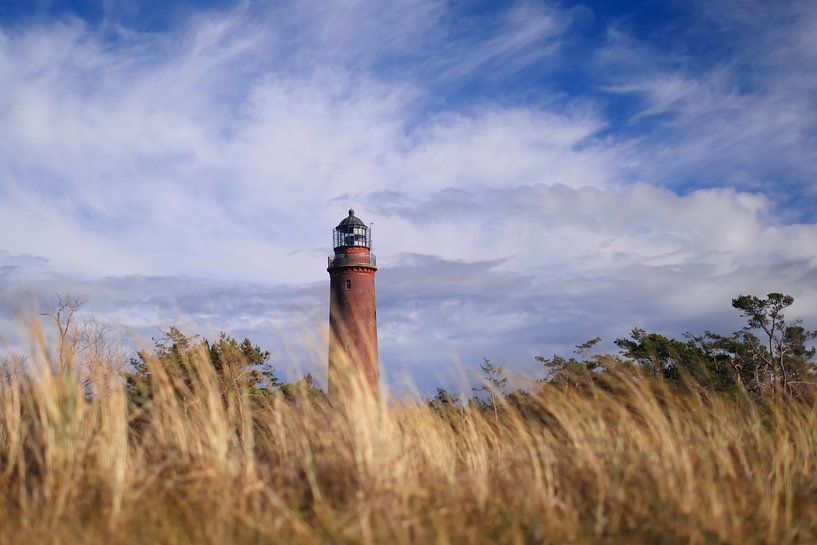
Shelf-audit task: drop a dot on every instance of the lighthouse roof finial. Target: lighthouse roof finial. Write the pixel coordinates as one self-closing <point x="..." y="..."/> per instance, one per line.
<point x="351" y="211"/>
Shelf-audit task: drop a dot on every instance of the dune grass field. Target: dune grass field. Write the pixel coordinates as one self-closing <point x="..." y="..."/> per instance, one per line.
<point x="206" y="458"/>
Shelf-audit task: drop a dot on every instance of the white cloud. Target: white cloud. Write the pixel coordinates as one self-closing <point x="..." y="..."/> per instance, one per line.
<point x="196" y="176"/>
<point x="134" y="151"/>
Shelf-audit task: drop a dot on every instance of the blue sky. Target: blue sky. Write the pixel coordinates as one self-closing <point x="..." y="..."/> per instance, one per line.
<point x="538" y="173"/>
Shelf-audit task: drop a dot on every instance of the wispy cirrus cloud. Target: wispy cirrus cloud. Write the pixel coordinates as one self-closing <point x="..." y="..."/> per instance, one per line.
<point x="742" y="115"/>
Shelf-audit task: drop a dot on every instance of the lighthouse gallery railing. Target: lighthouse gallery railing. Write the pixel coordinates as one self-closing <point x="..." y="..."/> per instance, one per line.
<point x="352" y="260"/>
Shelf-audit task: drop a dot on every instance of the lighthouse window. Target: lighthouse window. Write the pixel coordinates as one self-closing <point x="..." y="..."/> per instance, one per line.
<point x="348" y="284"/>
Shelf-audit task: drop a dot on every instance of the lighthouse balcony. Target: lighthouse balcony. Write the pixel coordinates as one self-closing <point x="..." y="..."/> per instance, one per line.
<point x="352" y="260"/>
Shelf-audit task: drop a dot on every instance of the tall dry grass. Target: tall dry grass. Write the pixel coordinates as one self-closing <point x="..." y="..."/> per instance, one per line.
<point x="205" y="462"/>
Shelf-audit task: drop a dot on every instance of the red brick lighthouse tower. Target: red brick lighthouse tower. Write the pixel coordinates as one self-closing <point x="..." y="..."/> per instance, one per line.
<point x="352" y="312"/>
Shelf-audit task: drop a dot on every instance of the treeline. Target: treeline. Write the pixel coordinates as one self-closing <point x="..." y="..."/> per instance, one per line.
<point x="769" y="357"/>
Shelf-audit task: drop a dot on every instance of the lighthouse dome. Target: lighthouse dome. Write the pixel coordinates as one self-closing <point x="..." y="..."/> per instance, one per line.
<point x="351" y="221"/>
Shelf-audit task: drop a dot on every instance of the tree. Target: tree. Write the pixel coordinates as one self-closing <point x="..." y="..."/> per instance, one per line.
<point x="769" y="355"/>
<point x="63" y="315"/>
<point x="570" y="373"/>
<point x="493" y="381"/>
<point x="242" y="360"/>
<point x="780" y="356"/>
<point x="559" y="369"/>
<point x="666" y="358"/>
<point x="725" y="361"/>
<point x="444" y="403"/>
<point x="242" y="363"/>
<point x="303" y="390"/>
<point x="444" y="398"/>
<point x="584" y="348"/>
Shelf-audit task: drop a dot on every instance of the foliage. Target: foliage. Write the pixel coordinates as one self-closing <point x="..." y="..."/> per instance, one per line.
<point x="573" y="374"/>
<point x="303" y="390"/>
<point x="493" y="381"/>
<point x="692" y="361"/>
<point x="781" y="362"/>
<point x="245" y="360"/>
<point x="584" y="348"/>
<point x="779" y="359"/>
<point x="446" y="404"/>
<point x="240" y="362"/>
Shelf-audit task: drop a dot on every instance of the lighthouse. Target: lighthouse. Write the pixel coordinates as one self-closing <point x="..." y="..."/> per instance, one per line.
<point x="352" y="310"/>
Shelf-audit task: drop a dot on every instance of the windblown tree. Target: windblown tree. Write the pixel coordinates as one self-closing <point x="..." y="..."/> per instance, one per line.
<point x="583" y="349"/>
<point x="679" y="362"/>
<point x="768" y="356"/>
<point x="242" y="361"/>
<point x="493" y="382"/>
<point x="446" y="404"/>
<point x="774" y="351"/>
<point x="178" y="354"/>
<point x="575" y="373"/>
<point x="84" y="345"/>
<point x="64" y="317"/>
